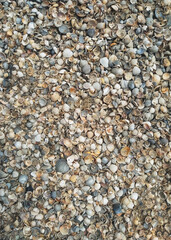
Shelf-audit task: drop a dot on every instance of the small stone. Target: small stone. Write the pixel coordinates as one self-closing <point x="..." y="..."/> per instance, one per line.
<point x="154" y="49"/>
<point x="164" y="141"/>
<point x="42" y="102"/>
<point x="110" y="147"/>
<point x="63" y="29"/>
<point x="86" y="69"/>
<point x="57" y="207"/>
<point x="18" y="145"/>
<point x="3" y="174"/>
<point x="90" y="32"/>
<point x="135" y="91"/>
<point x="67" y="53"/>
<point x="38" y="138"/>
<point x="134" y="196"/>
<point x="113" y="168"/>
<point x="90" y="181"/>
<point x="97" y="86"/>
<point x="105" y="62"/>
<point x="62" y="166"/>
<point x="23" y="179"/>
<point x="117" y="208"/>
<point x="131" y="85"/>
<point x="136" y="70"/>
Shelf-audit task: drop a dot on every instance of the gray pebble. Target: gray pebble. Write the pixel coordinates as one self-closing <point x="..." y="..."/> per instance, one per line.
<point x="154" y="49"/>
<point x="53" y="194"/>
<point x="131" y="85"/>
<point x="105" y="160"/>
<point x="149" y="21"/>
<point x="86" y="69"/>
<point x="164" y="141"/>
<point x="42" y="102"/>
<point x="124" y="84"/>
<point x="63" y="29"/>
<point x="3" y="174"/>
<point x="135" y="91"/>
<point x="5" y="65"/>
<point x="57" y="207"/>
<point x="132" y="140"/>
<point x="81" y="39"/>
<point x="148" y="103"/>
<point x="90" y="32"/>
<point x="62" y="166"/>
<point x="23" y="179"/>
<point x="90" y="181"/>
<point x="18" y="20"/>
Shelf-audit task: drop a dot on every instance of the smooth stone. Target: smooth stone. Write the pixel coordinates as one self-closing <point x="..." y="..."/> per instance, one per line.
<point x="63" y="29"/>
<point x="164" y="141"/>
<point x="117" y="208"/>
<point x="90" y="32"/>
<point x="148" y="103"/>
<point x="57" y="207"/>
<point x="53" y="194"/>
<point x="140" y="51"/>
<point x="23" y="179"/>
<point x="149" y="22"/>
<point x="154" y="49"/>
<point x="67" y="53"/>
<point x="81" y="39"/>
<point x="104" y="62"/>
<point x="5" y="65"/>
<point x="131" y="85"/>
<point x="6" y="83"/>
<point x="18" y="20"/>
<point x="90" y="181"/>
<point x="62" y="166"/>
<point x="124" y="84"/>
<point x="105" y="160"/>
<point x="42" y="102"/>
<point x="86" y="69"/>
<point x="3" y="174"/>
<point x="113" y="168"/>
<point x="97" y="86"/>
<point x="136" y="70"/>
<point x="135" y="91"/>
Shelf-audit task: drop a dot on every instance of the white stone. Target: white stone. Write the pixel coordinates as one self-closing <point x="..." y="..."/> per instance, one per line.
<point x="97" y="86"/>
<point x="104" y="62"/>
<point x="110" y="147"/>
<point x="113" y="168"/>
<point x="134" y="196"/>
<point x="67" y="53"/>
<point x="38" y="138"/>
<point x="18" y="145"/>
<point x="66" y="107"/>
<point x="136" y="71"/>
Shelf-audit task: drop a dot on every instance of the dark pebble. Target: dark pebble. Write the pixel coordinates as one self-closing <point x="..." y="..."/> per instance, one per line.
<point x="63" y="29"/>
<point x="90" y="32"/>
<point x="29" y="189"/>
<point x="164" y="141"/>
<point x="131" y="85"/>
<point x="6" y="83"/>
<point x="117" y="208"/>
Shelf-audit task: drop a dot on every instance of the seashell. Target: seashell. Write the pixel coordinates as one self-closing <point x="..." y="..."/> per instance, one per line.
<point x="89" y="159"/>
<point x="26" y="231"/>
<point x="67" y="143"/>
<point x="64" y="229"/>
<point x="62" y="166"/>
<point x="125" y="151"/>
<point x="19" y="189"/>
<point x="38" y="191"/>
